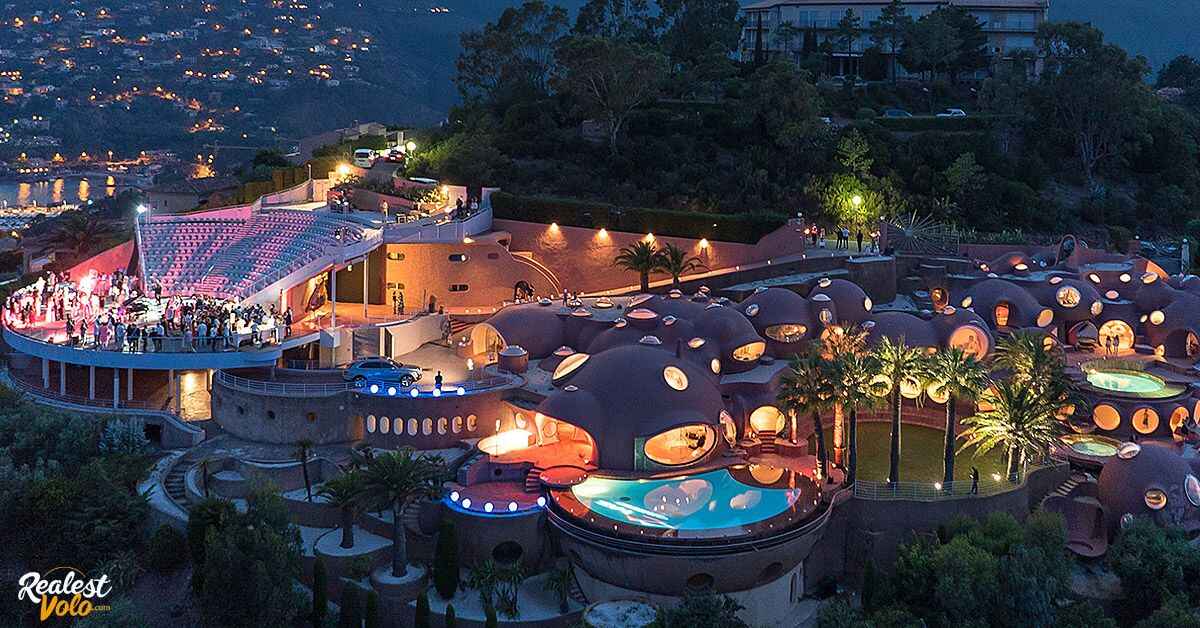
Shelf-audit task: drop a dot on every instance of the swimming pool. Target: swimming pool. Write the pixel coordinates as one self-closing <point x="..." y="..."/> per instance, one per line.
<point x="1092" y="445"/>
<point x="732" y="501"/>
<point x="1131" y="382"/>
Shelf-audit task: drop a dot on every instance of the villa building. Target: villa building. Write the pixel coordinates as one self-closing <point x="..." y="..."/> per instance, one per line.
<point x="638" y="438"/>
<point x="1010" y="26"/>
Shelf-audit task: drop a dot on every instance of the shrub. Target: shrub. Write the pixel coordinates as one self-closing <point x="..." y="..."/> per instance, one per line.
<point x="167" y="549"/>
<point x="422" y="617"/>
<point x="126" y="437"/>
<point x="744" y="227"/>
<point x="320" y="598"/>
<point x="211" y="513"/>
<point x="865" y="114"/>
<point x="445" y="564"/>
<point x="351" y="611"/>
<point x="451" y="620"/>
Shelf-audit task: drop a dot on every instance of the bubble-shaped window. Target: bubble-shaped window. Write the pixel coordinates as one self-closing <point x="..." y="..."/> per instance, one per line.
<point x="1068" y="296"/>
<point x="715" y="365"/>
<point x="1191" y="488"/>
<point x="1125" y="278"/>
<point x="569" y="364"/>
<point x="680" y="445"/>
<point x="867" y="304"/>
<point x="384" y="424"/>
<point x="1045" y="317"/>
<point x="1094" y="278"/>
<point x="786" y="333"/>
<point x="826" y="316"/>
<point x="1156" y="499"/>
<point x="675" y="378"/>
<point x="1149" y="278"/>
<point x="1022" y="266"/>
<point x="752" y="309"/>
<point x="1128" y="450"/>
<point x="1145" y="420"/>
<point x="472" y="422"/>
<point x="1097" y="308"/>
<point x="728" y="428"/>
<point x="1157" y="317"/>
<point x="696" y="342"/>
<point x="967" y="301"/>
<point x="371" y="423"/>
<point x="1106" y="417"/>
<point x="749" y="352"/>
<point x="457" y="424"/>
<point x="1055" y="280"/>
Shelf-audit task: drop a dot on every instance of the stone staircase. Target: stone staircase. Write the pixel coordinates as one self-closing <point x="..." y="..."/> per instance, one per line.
<point x="533" y="482"/>
<point x="576" y="593"/>
<point x="767" y="440"/>
<point x="175" y="482"/>
<point x="1063" y="490"/>
<point x="459" y="327"/>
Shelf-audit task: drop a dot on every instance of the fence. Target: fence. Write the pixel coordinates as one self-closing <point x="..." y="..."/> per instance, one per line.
<point x="281" y="389"/>
<point x="934" y="491"/>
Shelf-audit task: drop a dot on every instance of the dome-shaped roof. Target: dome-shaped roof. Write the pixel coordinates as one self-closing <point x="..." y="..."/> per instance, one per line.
<point x="962" y="328"/>
<point x="1126" y="480"/>
<point x="1022" y="309"/>
<point x="852" y="303"/>
<point x="679" y="307"/>
<point x="537" y="328"/>
<point x="727" y="327"/>
<point x="668" y="329"/>
<point x="916" y="331"/>
<point x="1013" y="262"/>
<point x="624" y="394"/>
<point x="1071" y="298"/>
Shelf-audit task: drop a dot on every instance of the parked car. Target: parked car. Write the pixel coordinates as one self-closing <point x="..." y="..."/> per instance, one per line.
<point x="381" y="370"/>
<point x="364" y="157"/>
<point x="896" y="113"/>
<point x="952" y="113"/>
<point x="395" y="156"/>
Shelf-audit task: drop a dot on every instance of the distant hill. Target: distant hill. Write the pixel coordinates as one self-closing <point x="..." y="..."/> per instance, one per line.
<point x="1158" y="29"/>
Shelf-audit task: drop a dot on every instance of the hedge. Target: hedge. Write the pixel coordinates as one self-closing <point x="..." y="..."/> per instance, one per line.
<point x="748" y="228"/>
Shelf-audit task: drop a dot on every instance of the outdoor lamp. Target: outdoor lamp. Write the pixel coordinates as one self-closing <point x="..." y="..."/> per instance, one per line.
<point x="410" y="147"/>
<point x="856" y="200"/>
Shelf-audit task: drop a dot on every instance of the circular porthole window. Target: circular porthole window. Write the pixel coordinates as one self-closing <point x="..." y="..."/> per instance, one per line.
<point x="752" y="309"/>
<point x="1156" y="499"/>
<point x="967" y="301"/>
<point x="715" y="365"/>
<point x="1191" y="488"/>
<point x="1157" y="317"/>
<point x="1128" y="450"/>
<point x="675" y="378"/>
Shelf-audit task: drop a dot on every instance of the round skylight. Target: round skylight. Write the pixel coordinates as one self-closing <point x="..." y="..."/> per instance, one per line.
<point x="1128" y="450"/>
<point x="967" y="301"/>
<point x="696" y="342"/>
<point x="569" y="365"/>
<point x="1191" y="488"/>
<point x="715" y="365"/>
<point x="1157" y="317"/>
<point x="650" y="340"/>
<point x="752" y="309"/>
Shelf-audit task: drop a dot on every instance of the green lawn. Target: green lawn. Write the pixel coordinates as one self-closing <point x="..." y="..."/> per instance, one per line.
<point x="920" y="454"/>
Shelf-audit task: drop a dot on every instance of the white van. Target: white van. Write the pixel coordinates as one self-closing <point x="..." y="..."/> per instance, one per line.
<point x="364" y="157"/>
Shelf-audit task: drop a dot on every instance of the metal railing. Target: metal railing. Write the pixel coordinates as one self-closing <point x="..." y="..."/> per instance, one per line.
<point x="283" y="389"/>
<point x="122" y="404"/>
<point x="167" y="344"/>
<point x="993" y="484"/>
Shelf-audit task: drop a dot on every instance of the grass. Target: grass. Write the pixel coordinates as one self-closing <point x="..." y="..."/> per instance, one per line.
<point x="920" y="454"/>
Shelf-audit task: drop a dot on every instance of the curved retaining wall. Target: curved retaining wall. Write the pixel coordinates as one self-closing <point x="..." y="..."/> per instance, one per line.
<point x="275" y="417"/>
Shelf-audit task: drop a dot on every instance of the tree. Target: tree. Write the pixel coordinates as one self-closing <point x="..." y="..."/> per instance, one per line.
<point x="808" y="388"/>
<point x="80" y="231"/>
<point x="616" y="19"/>
<point x="559" y="583"/>
<point x="837" y="343"/>
<point x="371" y="617"/>
<point x="1182" y="72"/>
<point x="958" y="376"/>
<point x="1035" y="365"/>
<point x="320" y="598"/>
<point x="853" y="154"/>
<point x="489" y="617"/>
<point x="421" y="618"/>
<point x="263" y="562"/>
<point x="303" y="451"/>
<point x="350" y="608"/>
<point x="1154" y="564"/>
<point x="971" y="53"/>
<point x="609" y="78"/>
<point x="932" y="45"/>
<point x="901" y="365"/>
<point x="695" y="32"/>
<point x="642" y="258"/>
<point x="964" y="178"/>
<point x="889" y="30"/>
<point x="703" y="611"/>
<point x="853" y="373"/>
<point x="1018" y="419"/>
<point x="345" y="492"/>
<point x="512" y="55"/>
<point x="445" y="564"/>
<point x="208" y="514"/>
<point x="394" y="480"/>
<point x="1091" y="94"/>
<point x="676" y="262"/>
<point x="484" y="578"/>
<point x="847" y="31"/>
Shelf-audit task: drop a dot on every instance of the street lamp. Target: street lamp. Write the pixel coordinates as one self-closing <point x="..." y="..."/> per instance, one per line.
<point x="410" y="147"/>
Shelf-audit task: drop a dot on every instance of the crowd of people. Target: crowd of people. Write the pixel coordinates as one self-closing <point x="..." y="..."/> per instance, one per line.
<point x="109" y="311"/>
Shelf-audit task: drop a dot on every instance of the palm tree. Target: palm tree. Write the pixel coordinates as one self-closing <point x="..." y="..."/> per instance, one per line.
<point x="394" y="480"/>
<point x="853" y="389"/>
<point x="957" y="376"/>
<point x="676" y="262"/>
<point x="840" y="341"/>
<point x="1017" y="418"/>
<point x="80" y="231"/>
<point x="1027" y="358"/>
<point x="303" y="449"/>
<point x="899" y="364"/>
<point x="642" y="258"/>
<point x="807" y="387"/>
<point x="345" y="492"/>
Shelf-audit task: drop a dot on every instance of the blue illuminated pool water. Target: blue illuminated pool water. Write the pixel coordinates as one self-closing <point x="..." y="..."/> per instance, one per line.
<point x="1125" y="381"/>
<point x="706" y="501"/>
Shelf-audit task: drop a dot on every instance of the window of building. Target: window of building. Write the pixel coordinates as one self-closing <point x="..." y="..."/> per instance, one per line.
<point x="1106" y="417"/>
<point x="787" y="333"/>
<point x="458" y="257"/>
<point x="371" y="423"/>
<point x="767" y="419"/>
<point x="457" y="424"/>
<point x="412" y="427"/>
<point x="472" y="422"/>
<point x="396" y="257"/>
<point x="459" y="287"/>
<point x="384" y="424"/>
<point x="493" y="256"/>
<point x="680" y="445"/>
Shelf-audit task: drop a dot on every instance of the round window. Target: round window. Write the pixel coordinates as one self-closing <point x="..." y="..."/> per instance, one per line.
<point x="569" y="364"/>
<point x="1106" y="417"/>
<point x="1155" y="499"/>
<point x="1157" y="317"/>
<point x="715" y="365"/>
<point x="1097" y="307"/>
<point x="1191" y="488"/>
<point x="1145" y="420"/>
<point x="1068" y="296"/>
<point x="675" y="378"/>
<point x="728" y="428"/>
<point x="867" y="305"/>
<point x="967" y="301"/>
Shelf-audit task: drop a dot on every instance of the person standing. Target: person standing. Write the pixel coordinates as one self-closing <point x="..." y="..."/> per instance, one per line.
<point x="437" y="381"/>
<point x="974" y="480"/>
<point x="860" y="239"/>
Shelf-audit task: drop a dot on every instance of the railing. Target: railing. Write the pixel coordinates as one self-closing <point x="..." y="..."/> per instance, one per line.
<point x="994" y="484"/>
<point x="122" y="404"/>
<point x="166" y="344"/>
<point x="281" y="389"/>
